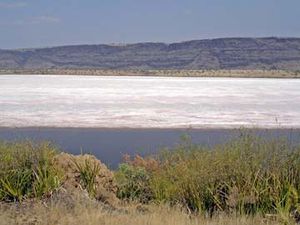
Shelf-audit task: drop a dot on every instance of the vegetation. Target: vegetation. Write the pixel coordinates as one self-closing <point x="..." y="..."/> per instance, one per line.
<point x="88" y="173"/>
<point x="161" y="73"/>
<point x="27" y="171"/>
<point x="249" y="176"/>
<point x="133" y="183"/>
<point x="92" y="214"/>
<point x="247" y="181"/>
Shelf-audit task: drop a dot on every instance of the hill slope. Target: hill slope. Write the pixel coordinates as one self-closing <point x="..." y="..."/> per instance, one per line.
<point x="226" y="53"/>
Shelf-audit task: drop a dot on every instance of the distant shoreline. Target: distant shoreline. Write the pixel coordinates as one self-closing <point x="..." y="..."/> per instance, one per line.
<point x="157" y="73"/>
<point x="237" y="128"/>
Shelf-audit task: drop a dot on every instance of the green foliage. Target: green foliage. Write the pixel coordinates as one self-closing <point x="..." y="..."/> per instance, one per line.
<point x="27" y="170"/>
<point x="15" y="185"/>
<point x="88" y="173"/>
<point x="46" y="179"/>
<point x="133" y="183"/>
<point x="248" y="175"/>
<point x="245" y="176"/>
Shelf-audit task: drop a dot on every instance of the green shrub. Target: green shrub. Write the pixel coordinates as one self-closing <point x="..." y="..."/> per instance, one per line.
<point x="27" y="170"/>
<point x="133" y="183"/>
<point x="246" y="176"/>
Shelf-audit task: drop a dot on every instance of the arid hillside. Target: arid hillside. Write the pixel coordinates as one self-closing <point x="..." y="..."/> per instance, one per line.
<point x="226" y="53"/>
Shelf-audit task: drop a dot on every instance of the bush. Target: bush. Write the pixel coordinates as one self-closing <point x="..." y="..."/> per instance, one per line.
<point x="246" y="176"/>
<point x="133" y="183"/>
<point x="27" y="170"/>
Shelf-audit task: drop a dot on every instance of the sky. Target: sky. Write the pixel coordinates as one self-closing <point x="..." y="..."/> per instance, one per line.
<point x="45" y="23"/>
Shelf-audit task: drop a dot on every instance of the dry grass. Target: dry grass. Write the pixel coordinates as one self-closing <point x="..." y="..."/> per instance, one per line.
<point x="91" y="214"/>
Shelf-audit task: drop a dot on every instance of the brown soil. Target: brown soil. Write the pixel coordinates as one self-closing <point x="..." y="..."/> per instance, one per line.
<point x="106" y="187"/>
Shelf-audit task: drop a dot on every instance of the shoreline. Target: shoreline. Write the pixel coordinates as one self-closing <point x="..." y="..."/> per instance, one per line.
<point x="157" y="73"/>
<point x="241" y="128"/>
<point x="111" y="144"/>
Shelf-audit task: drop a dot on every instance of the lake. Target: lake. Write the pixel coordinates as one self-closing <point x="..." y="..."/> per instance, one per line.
<point x="110" y="145"/>
<point x="109" y="116"/>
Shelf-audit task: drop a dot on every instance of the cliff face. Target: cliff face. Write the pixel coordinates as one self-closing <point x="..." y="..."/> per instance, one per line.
<point x="226" y="53"/>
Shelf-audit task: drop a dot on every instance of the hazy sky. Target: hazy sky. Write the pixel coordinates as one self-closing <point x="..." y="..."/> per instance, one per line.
<point x="40" y="23"/>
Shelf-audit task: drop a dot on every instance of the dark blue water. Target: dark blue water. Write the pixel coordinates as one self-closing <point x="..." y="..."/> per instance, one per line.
<point x="109" y="145"/>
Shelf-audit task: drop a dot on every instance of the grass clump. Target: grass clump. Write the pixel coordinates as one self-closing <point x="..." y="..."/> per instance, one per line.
<point x="27" y="170"/>
<point x="247" y="176"/>
<point x="88" y="172"/>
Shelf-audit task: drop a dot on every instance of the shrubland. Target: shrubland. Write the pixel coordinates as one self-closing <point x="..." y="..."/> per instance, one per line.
<point x="248" y="176"/>
<point x="249" y="180"/>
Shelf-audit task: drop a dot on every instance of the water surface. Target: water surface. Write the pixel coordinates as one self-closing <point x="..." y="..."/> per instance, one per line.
<point x="110" y="145"/>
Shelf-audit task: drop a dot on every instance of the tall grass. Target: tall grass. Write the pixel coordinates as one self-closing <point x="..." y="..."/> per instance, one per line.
<point x="27" y="170"/>
<point x="246" y="176"/>
<point x="88" y="172"/>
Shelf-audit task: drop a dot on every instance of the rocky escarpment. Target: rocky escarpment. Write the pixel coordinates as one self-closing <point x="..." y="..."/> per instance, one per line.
<point x="225" y="53"/>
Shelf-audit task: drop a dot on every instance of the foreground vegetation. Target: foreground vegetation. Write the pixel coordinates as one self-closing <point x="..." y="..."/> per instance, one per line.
<point x="27" y="171"/>
<point x="248" y="176"/>
<point x="247" y="181"/>
<point x="91" y="214"/>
